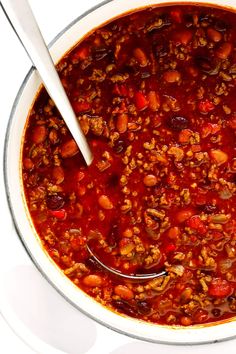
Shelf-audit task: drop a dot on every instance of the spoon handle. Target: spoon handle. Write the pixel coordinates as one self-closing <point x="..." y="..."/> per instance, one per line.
<point x="25" y="26"/>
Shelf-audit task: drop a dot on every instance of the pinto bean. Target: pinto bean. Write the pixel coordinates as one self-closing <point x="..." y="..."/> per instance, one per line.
<point x="185" y="321"/>
<point x="105" y="202"/>
<point x="172" y="76"/>
<point x="184" y="215"/>
<point x="92" y="280"/>
<point x="39" y="134"/>
<point x="124" y="292"/>
<point x="150" y="180"/>
<point x="122" y="123"/>
<point x="141" y="57"/>
<point x="224" y="51"/>
<point x="154" y="101"/>
<point x="214" y="35"/>
<point x="173" y="233"/>
<point x="69" y="149"/>
<point x="219" y="156"/>
<point x="28" y="163"/>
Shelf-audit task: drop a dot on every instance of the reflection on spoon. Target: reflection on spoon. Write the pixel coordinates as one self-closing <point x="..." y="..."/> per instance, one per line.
<point x="126" y="276"/>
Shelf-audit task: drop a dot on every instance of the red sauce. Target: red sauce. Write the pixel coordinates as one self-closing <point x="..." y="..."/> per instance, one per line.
<point x="154" y="92"/>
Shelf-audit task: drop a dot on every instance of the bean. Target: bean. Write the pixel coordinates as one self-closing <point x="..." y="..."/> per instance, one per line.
<point x="224" y="51"/>
<point x="185" y="321"/>
<point x="216" y="312"/>
<point x="209" y="208"/>
<point x="173" y="233"/>
<point x="55" y="201"/>
<point x="144" y="307"/>
<point x="39" y="134"/>
<point x="183" y="37"/>
<point x="154" y="101"/>
<point x="124" y="292"/>
<point x="124" y="307"/>
<point x="214" y="35"/>
<point x="141" y="57"/>
<point x="69" y="149"/>
<point x="92" y="280"/>
<point x="219" y="156"/>
<point x="122" y="123"/>
<point x="150" y="180"/>
<point x="178" y="123"/>
<point x="28" y="163"/>
<point x="171" y="76"/>
<point x="184" y="215"/>
<point x="105" y="202"/>
<point x="58" y="174"/>
<point x="128" y="232"/>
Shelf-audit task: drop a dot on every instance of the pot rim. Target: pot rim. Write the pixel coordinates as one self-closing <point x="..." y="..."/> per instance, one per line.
<point x="185" y="330"/>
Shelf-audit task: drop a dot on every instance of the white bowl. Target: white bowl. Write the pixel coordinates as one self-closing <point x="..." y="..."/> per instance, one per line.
<point x="14" y="188"/>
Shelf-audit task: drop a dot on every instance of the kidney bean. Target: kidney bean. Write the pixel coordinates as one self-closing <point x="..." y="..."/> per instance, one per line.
<point x="143" y="307"/>
<point x="214" y="35"/>
<point x="172" y="76"/>
<point x="39" y="134"/>
<point x="124" y="292"/>
<point x="55" y="201"/>
<point x="58" y="174"/>
<point x="105" y="202"/>
<point x="92" y="280"/>
<point x="224" y="51"/>
<point x="122" y="123"/>
<point x="178" y="123"/>
<point x="69" y="149"/>
<point x="125" y="307"/>
<point x="150" y="180"/>
<point x="209" y="208"/>
<point x="216" y="312"/>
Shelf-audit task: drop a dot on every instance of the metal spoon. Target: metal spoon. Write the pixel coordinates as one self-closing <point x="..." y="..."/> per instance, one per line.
<point x="126" y="276"/>
<point x="26" y="28"/>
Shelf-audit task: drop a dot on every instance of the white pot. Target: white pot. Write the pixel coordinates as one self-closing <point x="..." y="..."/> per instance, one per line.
<point x="132" y="327"/>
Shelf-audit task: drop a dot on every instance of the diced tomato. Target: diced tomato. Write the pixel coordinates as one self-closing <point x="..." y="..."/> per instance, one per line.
<point x="196" y="223"/>
<point x="81" y="53"/>
<point x="205" y="106"/>
<point x="170" y="248"/>
<point x="200" y="199"/>
<point x="220" y="288"/>
<point x="232" y="123"/>
<point x="208" y="129"/>
<point x="81" y="107"/>
<point x="140" y="101"/>
<point x="185" y="135"/>
<point x="59" y="214"/>
<point x="176" y="15"/>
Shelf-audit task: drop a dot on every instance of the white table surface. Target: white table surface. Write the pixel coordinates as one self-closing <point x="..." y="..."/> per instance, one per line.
<point x="35" y="311"/>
